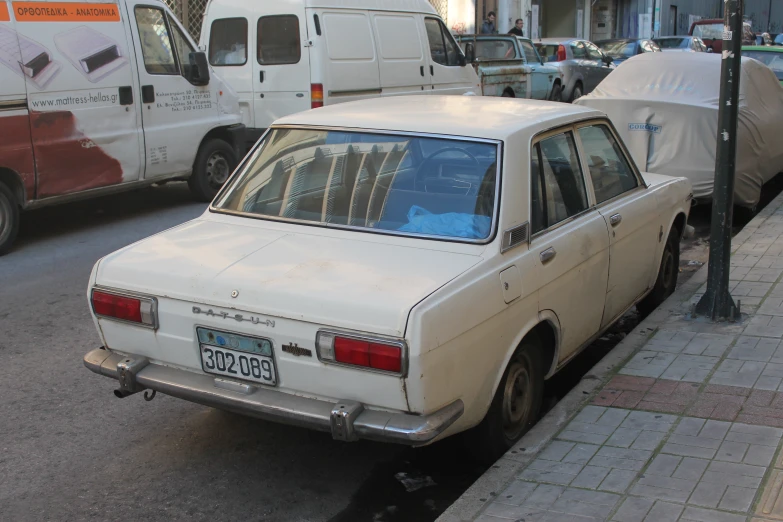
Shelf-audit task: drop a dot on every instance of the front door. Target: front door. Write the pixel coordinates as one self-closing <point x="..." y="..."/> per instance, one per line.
<point x="541" y="77"/>
<point x="228" y="48"/>
<point x="630" y="212"/>
<point x="175" y="114"/>
<point x="570" y="241"/>
<point x="446" y="75"/>
<point x="281" y="62"/>
<point x="598" y="68"/>
<point x="84" y="105"/>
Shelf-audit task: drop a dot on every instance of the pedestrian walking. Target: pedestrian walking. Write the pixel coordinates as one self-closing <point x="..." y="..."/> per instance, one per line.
<point x="518" y="26"/>
<point x="488" y="27"/>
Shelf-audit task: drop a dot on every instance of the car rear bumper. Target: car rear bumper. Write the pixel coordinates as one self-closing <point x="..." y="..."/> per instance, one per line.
<point x="346" y="420"/>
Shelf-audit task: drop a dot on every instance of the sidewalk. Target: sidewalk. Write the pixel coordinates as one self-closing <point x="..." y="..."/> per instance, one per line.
<point x="682" y="421"/>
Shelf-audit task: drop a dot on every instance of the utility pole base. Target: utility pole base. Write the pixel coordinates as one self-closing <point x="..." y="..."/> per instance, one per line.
<point x="718" y="306"/>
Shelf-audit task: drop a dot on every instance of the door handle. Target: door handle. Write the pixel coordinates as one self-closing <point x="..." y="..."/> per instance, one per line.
<point x="261" y="76"/>
<point x="432" y="71"/>
<point x="421" y="70"/>
<point x="547" y="255"/>
<point x="147" y="94"/>
<point x="615" y="219"/>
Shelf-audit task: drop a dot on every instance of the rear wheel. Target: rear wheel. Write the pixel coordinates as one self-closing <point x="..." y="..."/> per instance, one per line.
<point x="9" y="219"/>
<point x="515" y="406"/>
<point x="214" y="164"/>
<point x="556" y="94"/>
<point x="576" y="93"/>
<point x="667" y="275"/>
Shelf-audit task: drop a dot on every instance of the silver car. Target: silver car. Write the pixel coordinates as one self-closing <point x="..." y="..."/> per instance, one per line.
<point x="683" y="44"/>
<point x="582" y="64"/>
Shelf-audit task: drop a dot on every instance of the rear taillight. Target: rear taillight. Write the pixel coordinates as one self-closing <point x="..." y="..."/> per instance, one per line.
<point x="561" y="54"/>
<point x="316" y="95"/>
<point x="366" y="352"/>
<point x="128" y="308"/>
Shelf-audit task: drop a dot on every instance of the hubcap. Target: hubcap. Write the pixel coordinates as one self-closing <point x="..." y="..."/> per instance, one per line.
<point x="668" y="268"/>
<point x="517" y="400"/>
<point x="217" y="169"/>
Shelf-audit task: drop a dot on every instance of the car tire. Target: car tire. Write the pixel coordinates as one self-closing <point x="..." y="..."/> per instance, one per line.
<point x="557" y="93"/>
<point x="9" y="219"/>
<point x="666" y="281"/>
<point x="214" y="164"/>
<point x="515" y="406"/>
<point x="507" y="94"/>
<point x="576" y="93"/>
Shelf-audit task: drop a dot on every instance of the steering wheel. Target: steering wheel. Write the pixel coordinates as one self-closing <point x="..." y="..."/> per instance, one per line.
<point x="420" y="183"/>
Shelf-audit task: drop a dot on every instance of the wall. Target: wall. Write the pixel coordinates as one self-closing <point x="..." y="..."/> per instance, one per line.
<point x="760" y="17"/>
<point x="559" y="18"/>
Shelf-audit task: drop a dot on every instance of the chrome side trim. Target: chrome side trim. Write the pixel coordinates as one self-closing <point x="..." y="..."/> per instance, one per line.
<point x="272" y="404"/>
<point x="13" y="105"/>
<point x="357" y="92"/>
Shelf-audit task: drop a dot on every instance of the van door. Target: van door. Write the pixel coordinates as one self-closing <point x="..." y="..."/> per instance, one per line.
<point x="281" y="63"/>
<point x="175" y="114"/>
<point x="447" y="76"/>
<point x="403" y="64"/>
<point x="227" y="41"/>
<point x="84" y="112"/>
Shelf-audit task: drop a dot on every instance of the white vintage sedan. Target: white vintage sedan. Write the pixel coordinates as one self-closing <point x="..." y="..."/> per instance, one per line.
<point x="399" y="269"/>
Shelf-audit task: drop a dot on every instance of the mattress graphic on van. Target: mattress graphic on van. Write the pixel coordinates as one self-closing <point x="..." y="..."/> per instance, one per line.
<point x="93" y="54"/>
<point x="27" y="58"/>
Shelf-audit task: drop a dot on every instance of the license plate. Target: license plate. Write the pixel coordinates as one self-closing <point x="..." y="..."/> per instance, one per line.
<point x="243" y="360"/>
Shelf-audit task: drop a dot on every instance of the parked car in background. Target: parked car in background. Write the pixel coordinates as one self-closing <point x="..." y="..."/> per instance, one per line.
<point x="111" y="99"/>
<point x="779" y="39"/>
<point x="582" y="64"/>
<point x="288" y="56"/>
<point x="371" y="230"/>
<point x="509" y="66"/>
<point x="665" y="107"/>
<point x="623" y="48"/>
<point x="710" y="30"/>
<point x="685" y="44"/>
<point x="771" y="56"/>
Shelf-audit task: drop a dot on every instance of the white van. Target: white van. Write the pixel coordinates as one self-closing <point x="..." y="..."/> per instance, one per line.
<point x="287" y="56"/>
<point x="99" y="97"/>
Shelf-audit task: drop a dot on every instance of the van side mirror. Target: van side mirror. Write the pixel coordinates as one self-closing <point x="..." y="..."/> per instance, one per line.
<point x="470" y="53"/>
<point x="197" y="72"/>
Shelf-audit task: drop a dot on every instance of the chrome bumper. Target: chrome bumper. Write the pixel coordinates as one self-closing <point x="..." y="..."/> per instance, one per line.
<point x="346" y="420"/>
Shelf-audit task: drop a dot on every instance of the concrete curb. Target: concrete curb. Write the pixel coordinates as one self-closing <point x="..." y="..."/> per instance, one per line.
<point x="469" y="506"/>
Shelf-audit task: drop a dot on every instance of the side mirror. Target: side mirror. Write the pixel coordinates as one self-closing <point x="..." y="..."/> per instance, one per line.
<point x="470" y="53"/>
<point x="607" y="59"/>
<point x="709" y="49"/>
<point x="197" y="71"/>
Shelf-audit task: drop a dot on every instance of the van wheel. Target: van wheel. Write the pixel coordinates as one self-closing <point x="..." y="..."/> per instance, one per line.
<point x="515" y="406"/>
<point x="667" y="276"/>
<point x="214" y="164"/>
<point x="9" y="219"/>
<point x="576" y="93"/>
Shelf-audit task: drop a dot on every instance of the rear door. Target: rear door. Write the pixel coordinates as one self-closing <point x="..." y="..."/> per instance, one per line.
<point x="84" y="103"/>
<point x="403" y="64"/>
<point x="281" y="62"/>
<point x="228" y="46"/>
<point x="176" y="114"/>
<point x="447" y="76"/>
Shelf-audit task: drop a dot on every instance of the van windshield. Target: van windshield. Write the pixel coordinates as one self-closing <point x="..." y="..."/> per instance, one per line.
<point x="399" y="184"/>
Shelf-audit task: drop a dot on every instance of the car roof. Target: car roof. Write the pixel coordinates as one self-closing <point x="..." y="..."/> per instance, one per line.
<point x="629" y="40"/>
<point x="473" y="116"/>
<point x="767" y="48"/>
<point x="679" y="37"/>
<point x="555" y="40"/>
<point x="406" y="6"/>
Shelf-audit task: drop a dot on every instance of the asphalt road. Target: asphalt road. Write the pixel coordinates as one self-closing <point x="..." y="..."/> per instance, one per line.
<point x="72" y="451"/>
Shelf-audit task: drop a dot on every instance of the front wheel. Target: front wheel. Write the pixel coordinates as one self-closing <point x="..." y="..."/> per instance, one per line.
<point x="515" y="406"/>
<point x="214" y="164"/>
<point x="576" y="93"/>
<point x="9" y="219"/>
<point x="667" y="275"/>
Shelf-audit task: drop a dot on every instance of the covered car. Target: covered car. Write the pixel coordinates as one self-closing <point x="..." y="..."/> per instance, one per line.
<point x="665" y="106"/>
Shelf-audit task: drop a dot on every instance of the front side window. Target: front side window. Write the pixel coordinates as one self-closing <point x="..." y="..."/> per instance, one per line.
<point x="181" y="44"/>
<point x="557" y="185"/>
<point x="531" y="56"/>
<point x="443" y="48"/>
<point x="278" y="40"/>
<point x="228" y="42"/>
<point x="578" y="50"/>
<point x="155" y="41"/>
<point x="609" y="170"/>
<point x="377" y="182"/>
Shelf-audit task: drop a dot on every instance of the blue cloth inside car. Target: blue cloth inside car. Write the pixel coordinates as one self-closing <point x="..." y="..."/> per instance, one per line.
<point x="450" y="224"/>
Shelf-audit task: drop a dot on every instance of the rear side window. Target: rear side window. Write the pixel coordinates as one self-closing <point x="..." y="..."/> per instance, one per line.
<point x="609" y="170"/>
<point x="557" y="185"/>
<point x="155" y="41"/>
<point x="443" y="48"/>
<point x="228" y="42"/>
<point x="278" y="40"/>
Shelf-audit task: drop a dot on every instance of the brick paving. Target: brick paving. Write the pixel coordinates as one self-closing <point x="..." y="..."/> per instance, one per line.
<point x="689" y="428"/>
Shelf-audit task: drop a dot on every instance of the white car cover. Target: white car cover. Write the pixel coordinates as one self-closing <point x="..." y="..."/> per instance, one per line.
<point x="665" y="107"/>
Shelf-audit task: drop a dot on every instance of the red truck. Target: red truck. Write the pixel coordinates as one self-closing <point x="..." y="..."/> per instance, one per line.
<point x="710" y="30"/>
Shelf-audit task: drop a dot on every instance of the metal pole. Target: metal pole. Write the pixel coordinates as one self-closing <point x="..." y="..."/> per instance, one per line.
<point x="716" y="301"/>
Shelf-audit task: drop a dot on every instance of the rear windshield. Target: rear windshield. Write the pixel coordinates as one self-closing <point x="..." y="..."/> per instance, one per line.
<point x="672" y="43"/>
<point x="708" y="31"/>
<point x="618" y="49"/>
<point x="493" y="49"/>
<point x="773" y="60"/>
<point x="401" y="184"/>
<point x="548" y="53"/>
